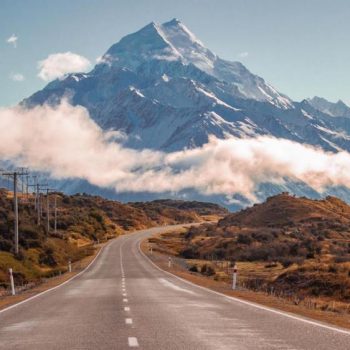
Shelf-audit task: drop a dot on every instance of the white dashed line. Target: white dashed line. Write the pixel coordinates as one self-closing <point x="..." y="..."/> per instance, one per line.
<point x="124" y="294"/>
<point x="125" y="300"/>
<point x="133" y="343"/>
<point x="128" y="320"/>
<point x="126" y="308"/>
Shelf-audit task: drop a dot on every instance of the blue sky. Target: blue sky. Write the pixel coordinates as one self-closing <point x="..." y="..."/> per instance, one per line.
<point x="300" y="46"/>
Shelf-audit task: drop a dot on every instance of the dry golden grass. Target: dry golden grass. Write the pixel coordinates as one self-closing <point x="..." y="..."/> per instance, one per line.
<point x="327" y="315"/>
<point x="50" y="282"/>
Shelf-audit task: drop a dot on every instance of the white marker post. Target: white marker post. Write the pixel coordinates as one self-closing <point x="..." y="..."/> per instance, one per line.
<point x="169" y="262"/>
<point x="234" y="277"/>
<point x="151" y="250"/>
<point x="69" y="266"/>
<point x="13" y="291"/>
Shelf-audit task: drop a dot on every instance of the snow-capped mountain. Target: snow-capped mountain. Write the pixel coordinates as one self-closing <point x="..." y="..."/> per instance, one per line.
<point x="167" y="91"/>
<point x="338" y="109"/>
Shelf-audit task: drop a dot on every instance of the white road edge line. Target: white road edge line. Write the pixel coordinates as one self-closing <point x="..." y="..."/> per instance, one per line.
<point x="133" y="343"/>
<point x="58" y="286"/>
<point x="261" y="307"/>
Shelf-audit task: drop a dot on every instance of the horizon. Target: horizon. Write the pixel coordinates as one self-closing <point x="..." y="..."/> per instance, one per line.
<point x="258" y="49"/>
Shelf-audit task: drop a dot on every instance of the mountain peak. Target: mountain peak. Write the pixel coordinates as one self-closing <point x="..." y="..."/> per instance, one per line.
<point x="173" y="22"/>
<point x="337" y="109"/>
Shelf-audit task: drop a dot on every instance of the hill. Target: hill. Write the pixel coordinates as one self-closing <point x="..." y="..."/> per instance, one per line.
<point x="304" y="245"/>
<point x="172" y="205"/>
<point x="82" y="220"/>
<point x="285" y="210"/>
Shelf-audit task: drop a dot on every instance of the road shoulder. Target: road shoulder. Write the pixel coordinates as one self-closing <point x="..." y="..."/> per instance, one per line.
<point x="162" y="262"/>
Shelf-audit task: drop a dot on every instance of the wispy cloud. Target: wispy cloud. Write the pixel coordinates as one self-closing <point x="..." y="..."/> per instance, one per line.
<point x="12" y="40"/>
<point x="59" y="64"/>
<point x="76" y="147"/>
<point x="17" y="77"/>
<point x="243" y="54"/>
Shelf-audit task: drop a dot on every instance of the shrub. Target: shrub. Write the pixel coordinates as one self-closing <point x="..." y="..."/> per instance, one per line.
<point x="189" y="253"/>
<point x="6" y="245"/>
<point x="244" y="239"/>
<point x="47" y="258"/>
<point x="333" y="269"/>
<point x="193" y="268"/>
<point x="207" y="270"/>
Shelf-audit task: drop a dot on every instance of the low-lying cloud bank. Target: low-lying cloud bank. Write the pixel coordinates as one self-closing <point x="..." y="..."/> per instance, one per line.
<point x="65" y="142"/>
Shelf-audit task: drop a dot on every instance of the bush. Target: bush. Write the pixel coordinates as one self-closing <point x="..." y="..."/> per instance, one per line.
<point x="6" y="245"/>
<point x="286" y="262"/>
<point x="244" y="239"/>
<point x="333" y="269"/>
<point x="47" y="258"/>
<point x="189" y="253"/>
<point x="193" y="268"/>
<point x="207" y="270"/>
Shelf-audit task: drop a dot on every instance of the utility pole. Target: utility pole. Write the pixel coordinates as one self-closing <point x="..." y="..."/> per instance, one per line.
<point x="27" y="184"/>
<point x="48" y="208"/>
<point x="24" y="173"/>
<point x="35" y="181"/>
<point x="55" y="225"/>
<point x="15" y="175"/>
<point x="38" y="202"/>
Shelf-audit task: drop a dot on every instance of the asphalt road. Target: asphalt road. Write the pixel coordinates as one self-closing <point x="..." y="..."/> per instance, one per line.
<point x="123" y="301"/>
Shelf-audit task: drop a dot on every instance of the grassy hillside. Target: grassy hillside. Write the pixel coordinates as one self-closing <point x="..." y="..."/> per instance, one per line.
<point x="295" y="245"/>
<point x="82" y="221"/>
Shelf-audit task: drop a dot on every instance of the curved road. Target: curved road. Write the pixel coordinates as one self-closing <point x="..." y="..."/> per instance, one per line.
<point x="122" y="301"/>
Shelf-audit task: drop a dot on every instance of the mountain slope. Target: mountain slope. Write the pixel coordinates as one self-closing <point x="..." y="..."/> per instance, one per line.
<point x="166" y="91"/>
<point x="338" y="109"/>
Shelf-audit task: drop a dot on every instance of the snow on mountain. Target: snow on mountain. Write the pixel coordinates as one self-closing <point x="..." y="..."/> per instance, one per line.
<point x="338" y="109"/>
<point x="165" y="90"/>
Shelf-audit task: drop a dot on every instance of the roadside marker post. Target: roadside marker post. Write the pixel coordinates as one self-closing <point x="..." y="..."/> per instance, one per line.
<point x="151" y="250"/>
<point x="13" y="291"/>
<point x="69" y="266"/>
<point x="169" y="262"/>
<point x="234" y="277"/>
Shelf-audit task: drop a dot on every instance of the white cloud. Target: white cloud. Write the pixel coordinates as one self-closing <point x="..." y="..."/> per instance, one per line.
<point x="59" y="64"/>
<point x="12" y="40"/>
<point x="17" y="77"/>
<point x="243" y="54"/>
<point x="69" y="144"/>
<point x="105" y="59"/>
